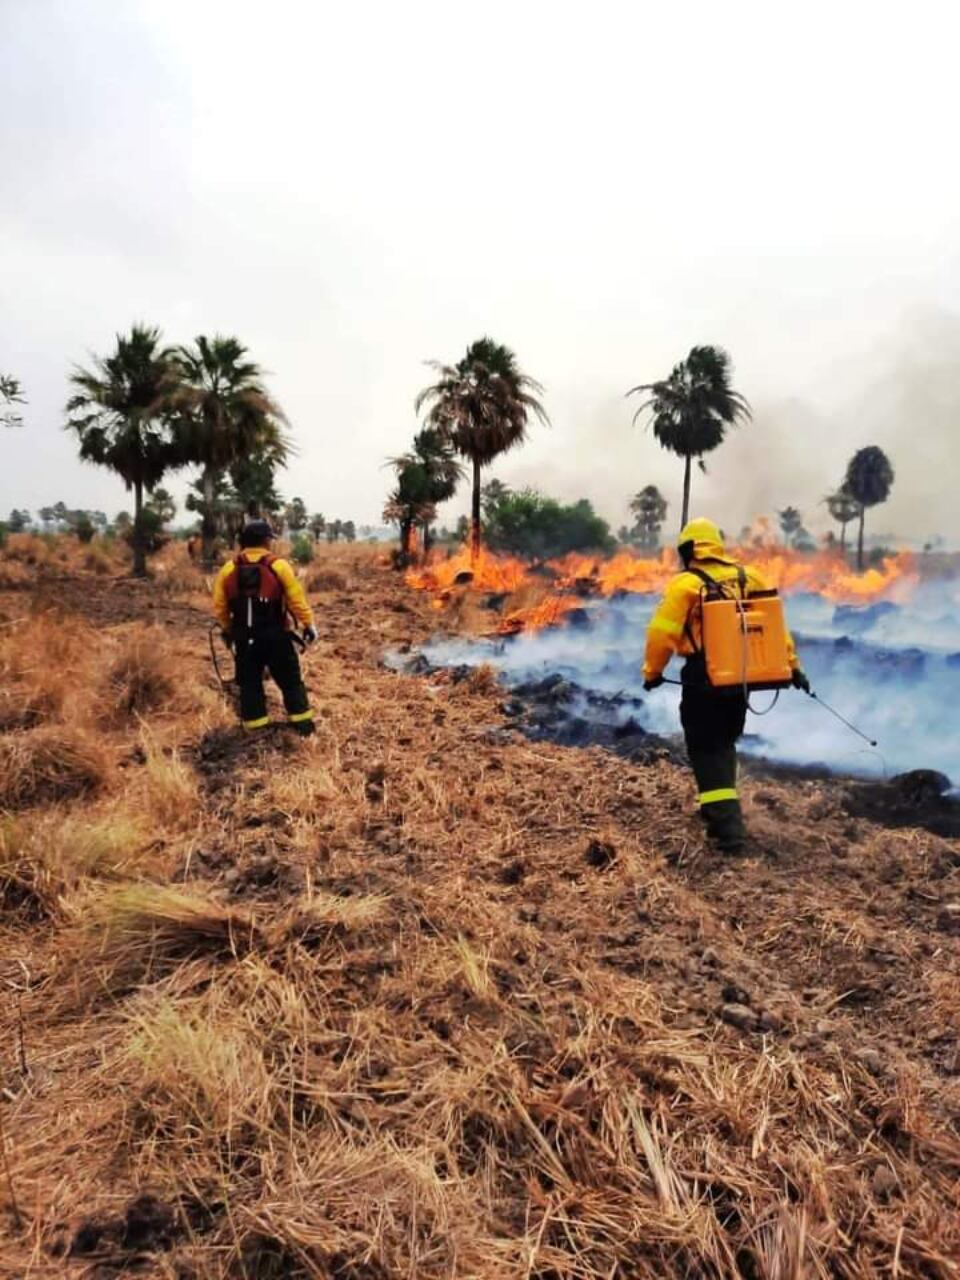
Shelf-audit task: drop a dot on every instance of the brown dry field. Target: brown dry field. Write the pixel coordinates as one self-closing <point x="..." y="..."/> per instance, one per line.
<point x="419" y="998"/>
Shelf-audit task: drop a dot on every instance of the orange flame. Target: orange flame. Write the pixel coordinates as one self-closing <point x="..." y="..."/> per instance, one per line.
<point x="570" y="579"/>
<point x="489" y="572"/>
<point x="548" y="613"/>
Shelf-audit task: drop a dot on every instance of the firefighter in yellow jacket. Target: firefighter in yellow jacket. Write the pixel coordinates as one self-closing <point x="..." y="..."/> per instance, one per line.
<point x="713" y="719"/>
<point x="254" y="595"/>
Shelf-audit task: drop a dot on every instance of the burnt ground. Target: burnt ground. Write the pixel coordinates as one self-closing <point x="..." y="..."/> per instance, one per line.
<point x="831" y="951"/>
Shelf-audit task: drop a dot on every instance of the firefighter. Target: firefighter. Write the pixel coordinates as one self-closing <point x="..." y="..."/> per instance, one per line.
<point x="713" y="719"/>
<point x="253" y="596"/>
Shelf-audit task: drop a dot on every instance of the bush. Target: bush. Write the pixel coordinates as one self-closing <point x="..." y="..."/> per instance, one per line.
<point x="83" y="527"/>
<point x="301" y="548"/>
<point x="529" y="524"/>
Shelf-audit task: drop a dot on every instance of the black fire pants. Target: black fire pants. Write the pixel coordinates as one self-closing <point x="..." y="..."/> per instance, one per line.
<point x="713" y="720"/>
<point x="271" y="650"/>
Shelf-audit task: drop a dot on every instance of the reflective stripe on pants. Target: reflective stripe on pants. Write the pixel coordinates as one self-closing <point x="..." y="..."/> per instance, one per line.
<point x="718" y="794"/>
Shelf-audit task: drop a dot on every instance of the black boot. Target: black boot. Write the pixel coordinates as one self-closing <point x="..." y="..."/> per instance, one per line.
<point x="724" y="823"/>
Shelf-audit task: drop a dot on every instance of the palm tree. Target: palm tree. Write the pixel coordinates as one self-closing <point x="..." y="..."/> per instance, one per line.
<point x="119" y="414"/>
<point x="295" y="515"/>
<point x="162" y="504"/>
<point x="843" y="508"/>
<point x="433" y="454"/>
<point x="692" y="409"/>
<point x="224" y="415"/>
<point x="317" y="525"/>
<point x="649" y="508"/>
<point x="492" y="494"/>
<point x="409" y="504"/>
<point x="10" y="393"/>
<point x="791" y="523"/>
<point x="868" y="481"/>
<point x="482" y="405"/>
<point x="253" y="482"/>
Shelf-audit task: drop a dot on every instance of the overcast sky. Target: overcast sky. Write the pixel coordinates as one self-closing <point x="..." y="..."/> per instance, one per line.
<point x="353" y="189"/>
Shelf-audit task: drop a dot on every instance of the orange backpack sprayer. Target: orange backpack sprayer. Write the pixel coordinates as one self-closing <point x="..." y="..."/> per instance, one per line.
<point x="744" y="636"/>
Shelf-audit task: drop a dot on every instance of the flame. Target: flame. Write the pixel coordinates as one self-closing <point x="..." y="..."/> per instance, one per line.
<point x="563" y="584"/>
<point x="488" y="572"/>
<point x="548" y="613"/>
<point x="624" y="571"/>
<point x="826" y="575"/>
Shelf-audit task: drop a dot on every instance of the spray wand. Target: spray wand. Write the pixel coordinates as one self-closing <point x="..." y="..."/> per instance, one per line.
<point x="827" y="707"/>
<point x="816" y="697"/>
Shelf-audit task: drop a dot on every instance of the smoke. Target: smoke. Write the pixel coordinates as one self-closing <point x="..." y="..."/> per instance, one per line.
<point x="897" y="389"/>
<point x="893" y="670"/>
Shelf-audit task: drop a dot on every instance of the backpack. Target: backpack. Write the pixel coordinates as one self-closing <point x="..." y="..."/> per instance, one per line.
<point x="743" y="639"/>
<point x="255" y="594"/>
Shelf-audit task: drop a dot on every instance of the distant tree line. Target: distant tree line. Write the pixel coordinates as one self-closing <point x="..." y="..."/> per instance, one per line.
<point x="148" y="409"/>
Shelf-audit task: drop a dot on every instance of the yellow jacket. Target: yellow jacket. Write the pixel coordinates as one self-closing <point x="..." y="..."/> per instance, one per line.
<point x="296" y="599"/>
<point x="675" y="626"/>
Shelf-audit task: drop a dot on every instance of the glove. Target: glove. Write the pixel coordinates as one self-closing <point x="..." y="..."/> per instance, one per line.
<point x="653" y="683"/>
<point x="799" y="680"/>
<point x="309" y="635"/>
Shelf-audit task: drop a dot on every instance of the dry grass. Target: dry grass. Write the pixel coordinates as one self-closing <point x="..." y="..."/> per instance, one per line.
<point x="127" y="934"/>
<point x="366" y="1007"/>
<point x="44" y="766"/>
<point x="139" y="679"/>
<point x="325" y="579"/>
<point x="42" y="859"/>
<point x="169" y="785"/>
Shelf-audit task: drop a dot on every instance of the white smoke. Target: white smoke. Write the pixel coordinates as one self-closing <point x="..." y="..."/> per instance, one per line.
<point x="893" y="670"/>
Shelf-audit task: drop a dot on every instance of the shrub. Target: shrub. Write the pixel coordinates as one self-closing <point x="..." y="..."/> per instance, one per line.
<point x="527" y="523"/>
<point x="83" y="527"/>
<point x="301" y="548"/>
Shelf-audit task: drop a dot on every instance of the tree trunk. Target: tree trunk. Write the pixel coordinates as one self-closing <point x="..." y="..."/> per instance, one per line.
<point x="139" y="550"/>
<point x="425" y="538"/>
<point x="406" y="527"/>
<point x="685" y="517"/>
<point x="843" y="538"/>
<point x="208" y="524"/>
<point x="860" y="542"/>
<point x="475" y="513"/>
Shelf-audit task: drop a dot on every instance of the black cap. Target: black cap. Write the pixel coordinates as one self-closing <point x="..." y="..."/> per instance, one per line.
<point x="255" y="534"/>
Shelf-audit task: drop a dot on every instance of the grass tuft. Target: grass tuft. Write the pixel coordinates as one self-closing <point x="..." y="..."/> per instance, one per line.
<point x="139" y="680"/>
<point x="46" y="765"/>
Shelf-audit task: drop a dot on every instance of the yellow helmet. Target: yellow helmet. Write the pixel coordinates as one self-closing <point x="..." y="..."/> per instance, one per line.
<point x="701" y="539"/>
